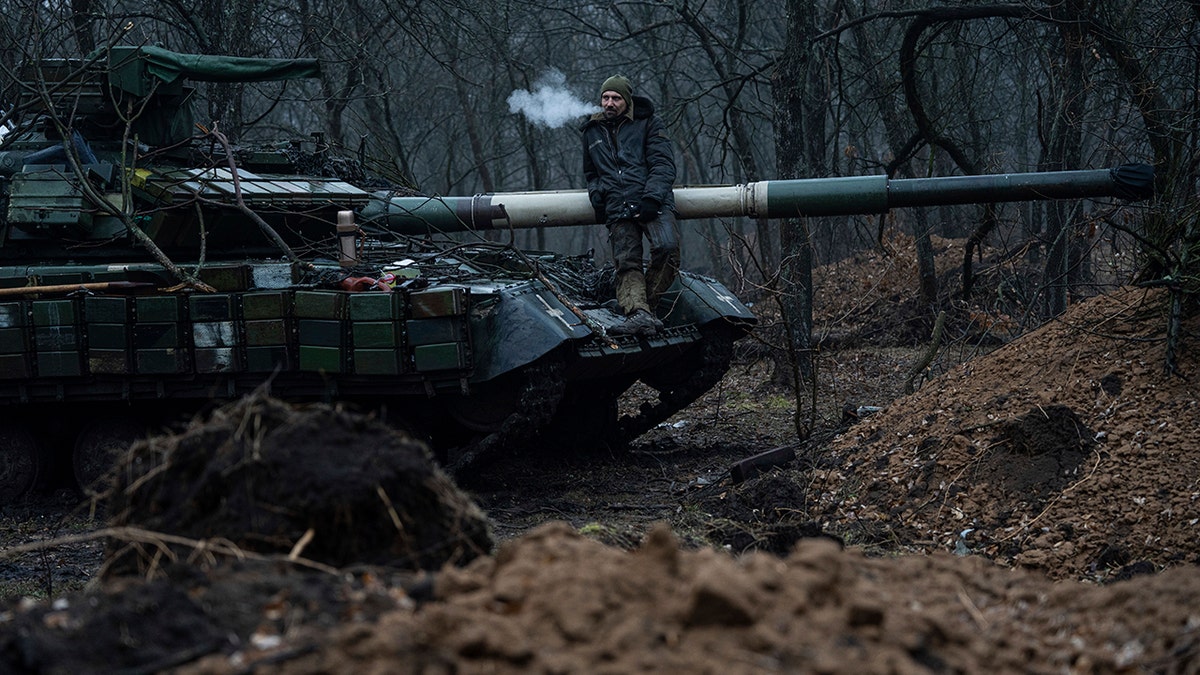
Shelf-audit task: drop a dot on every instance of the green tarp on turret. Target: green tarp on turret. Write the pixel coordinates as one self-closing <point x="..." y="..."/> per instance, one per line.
<point x="131" y="67"/>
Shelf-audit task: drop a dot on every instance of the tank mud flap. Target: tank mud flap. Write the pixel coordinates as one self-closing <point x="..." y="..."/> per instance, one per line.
<point x="528" y="323"/>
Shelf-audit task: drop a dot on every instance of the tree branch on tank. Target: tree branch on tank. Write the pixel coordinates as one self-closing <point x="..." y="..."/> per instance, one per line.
<point x="124" y="212"/>
<point x="240" y="203"/>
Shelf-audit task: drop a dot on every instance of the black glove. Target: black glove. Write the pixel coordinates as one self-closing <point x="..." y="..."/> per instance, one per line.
<point x="601" y="214"/>
<point x="648" y="210"/>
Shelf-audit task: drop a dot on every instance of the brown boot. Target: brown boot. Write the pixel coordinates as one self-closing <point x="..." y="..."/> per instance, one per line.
<point x="631" y="291"/>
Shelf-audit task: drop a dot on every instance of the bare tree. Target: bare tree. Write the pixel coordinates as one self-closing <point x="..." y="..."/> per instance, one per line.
<point x="801" y="96"/>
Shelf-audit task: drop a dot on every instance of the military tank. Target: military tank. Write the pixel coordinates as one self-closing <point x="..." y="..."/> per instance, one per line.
<point x="149" y="268"/>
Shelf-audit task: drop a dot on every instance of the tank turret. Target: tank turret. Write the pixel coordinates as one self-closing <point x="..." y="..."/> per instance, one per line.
<point x="294" y="269"/>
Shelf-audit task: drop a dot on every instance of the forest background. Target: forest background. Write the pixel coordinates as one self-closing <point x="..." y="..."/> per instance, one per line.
<point x="458" y="97"/>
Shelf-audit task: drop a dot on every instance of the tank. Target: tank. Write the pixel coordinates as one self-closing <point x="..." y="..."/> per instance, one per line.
<point x="146" y="274"/>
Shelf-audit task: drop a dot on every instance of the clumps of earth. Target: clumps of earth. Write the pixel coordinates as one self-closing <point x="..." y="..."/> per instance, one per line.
<point x="1070" y="450"/>
<point x="263" y="477"/>
<point x="1032" y="510"/>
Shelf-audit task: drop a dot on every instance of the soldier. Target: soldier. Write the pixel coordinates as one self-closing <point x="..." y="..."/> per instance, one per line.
<point x="630" y="170"/>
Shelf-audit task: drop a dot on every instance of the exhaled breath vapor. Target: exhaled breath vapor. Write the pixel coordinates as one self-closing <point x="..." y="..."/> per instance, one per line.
<point x="550" y="104"/>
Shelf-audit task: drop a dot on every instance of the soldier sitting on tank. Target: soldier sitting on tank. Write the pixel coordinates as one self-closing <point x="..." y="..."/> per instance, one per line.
<point x="630" y="170"/>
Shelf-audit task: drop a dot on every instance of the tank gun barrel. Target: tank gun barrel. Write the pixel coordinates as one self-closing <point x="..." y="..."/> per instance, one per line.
<point x="762" y="199"/>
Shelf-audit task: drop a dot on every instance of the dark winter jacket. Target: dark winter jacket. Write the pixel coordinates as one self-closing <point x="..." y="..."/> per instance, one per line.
<point x="627" y="159"/>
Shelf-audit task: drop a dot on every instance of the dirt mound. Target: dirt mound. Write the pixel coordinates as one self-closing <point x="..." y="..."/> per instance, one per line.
<point x="1069" y="450"/>
<point x="556" y="602"/>
<point x="868" y="298"/>
<point x="763" y="514"/>
<point x="265" y="477"/>
<point x="133" y="625"/>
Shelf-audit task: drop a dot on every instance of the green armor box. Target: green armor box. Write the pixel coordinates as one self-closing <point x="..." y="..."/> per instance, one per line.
<point x="105" y="309"/>
<point x="211" y="307"/>
<point x="226" y="277"/>
<point x="59" y="364"/>
<point x="321" y="333"/>
<point x="374" y="306"/>
<point x="267" y="359"/>
<point x="108" y="335"/>
<point x="265" y="305"/>
<point x="12" y="314"/>
<point x="12" y="340"/>
<point x="375" y="334"/>
<point x="108" y="361"/>
<point x="217" y="360"/>
<point x="447" y="356"/>
<point x="440" y="302"/>
<point x="267" y="332"/>
<point x="55" y="312"/>
<point x="156" y="336"/>
<point x="159" y="361"/>
<point x="212" y="334"/>
<point x="158" y="308"/>
<point x="321" y="359"/>
<point x="435" y="331"/>
<point x="14" y="366"/>
<point x="376" y="362"/>
<point x="321" y="304"/>
<point x="57" y="338"/>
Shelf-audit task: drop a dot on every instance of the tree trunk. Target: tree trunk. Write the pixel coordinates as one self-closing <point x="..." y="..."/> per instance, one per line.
<point x="799" y="95"/>
<point x="1062" y="151"/>
<point x="903" y="147"/>
<point x="81" y="21"/>
<point x="476" y="141"/>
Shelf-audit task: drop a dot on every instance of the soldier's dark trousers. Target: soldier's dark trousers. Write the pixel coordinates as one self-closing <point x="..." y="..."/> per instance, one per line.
<point x="637" y="289"/>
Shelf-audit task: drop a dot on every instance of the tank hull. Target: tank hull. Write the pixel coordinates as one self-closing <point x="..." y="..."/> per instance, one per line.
<point x="475" y="364"/>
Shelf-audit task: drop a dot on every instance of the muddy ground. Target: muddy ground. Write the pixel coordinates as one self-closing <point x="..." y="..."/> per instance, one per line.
<point x="1031" y="507"/>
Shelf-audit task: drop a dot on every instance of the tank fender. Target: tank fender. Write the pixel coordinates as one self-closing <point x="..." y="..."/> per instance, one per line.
<point x="700" y="300"/>
<point x="524" y="323"/>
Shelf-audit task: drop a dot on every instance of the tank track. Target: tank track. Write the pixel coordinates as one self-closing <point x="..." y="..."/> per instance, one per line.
<point x="541" y="391"/>
<point x="703" y="372"/>
<point x="544" y="387"/>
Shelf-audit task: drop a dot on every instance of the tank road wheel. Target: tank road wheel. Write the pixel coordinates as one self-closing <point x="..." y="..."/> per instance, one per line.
<point x="484" y="412"/>
<point x="20" y="461"/>
<point x="99" y="444"/>
<point x="587" y="417"/>
<point x="535" y="394"/>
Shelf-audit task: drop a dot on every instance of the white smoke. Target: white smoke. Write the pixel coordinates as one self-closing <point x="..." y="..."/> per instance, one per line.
<point x="550" y="104"/>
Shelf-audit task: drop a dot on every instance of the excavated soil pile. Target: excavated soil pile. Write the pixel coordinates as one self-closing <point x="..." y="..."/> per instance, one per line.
<point x="264" y="477"/>
<point x="868" y="298"/>
<point x="554" y="601"/>
<point x="1069" y="450"/>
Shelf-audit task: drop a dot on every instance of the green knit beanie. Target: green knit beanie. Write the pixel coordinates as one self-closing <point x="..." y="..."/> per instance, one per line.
<point x="619" y="84"/>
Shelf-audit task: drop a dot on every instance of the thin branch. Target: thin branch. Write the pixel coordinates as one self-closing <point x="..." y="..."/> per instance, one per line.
<point x="240" y="203"/>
